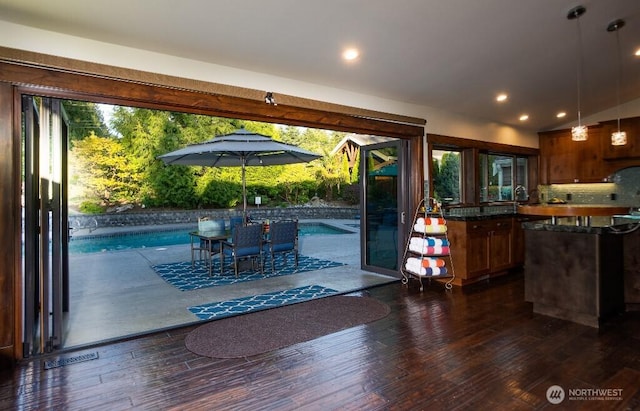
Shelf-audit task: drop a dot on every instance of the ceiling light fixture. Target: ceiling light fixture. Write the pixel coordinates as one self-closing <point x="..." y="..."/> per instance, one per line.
<point x="579" y="132"/>
<point x="350" y="54"/>
<point x="561" y="114"/>
<point x="269" y="99"/>
<point x="618" y="138"/>
<point x="524" y="117"/>
<point x="501" y="97"/>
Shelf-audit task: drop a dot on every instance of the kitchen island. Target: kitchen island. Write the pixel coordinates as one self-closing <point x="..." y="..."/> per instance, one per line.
<point x="574" y="272"/>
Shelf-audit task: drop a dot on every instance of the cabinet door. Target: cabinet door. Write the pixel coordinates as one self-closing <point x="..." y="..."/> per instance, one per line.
<point x="500" y="246"/>
<point x="557" y="160"/>
<point x="478" y="262"/>
<point x="563" y="160"/>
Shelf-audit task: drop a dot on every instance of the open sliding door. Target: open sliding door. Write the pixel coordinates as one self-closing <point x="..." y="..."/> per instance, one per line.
<point x="45" y="225"/>
<point x="384" y="205"/>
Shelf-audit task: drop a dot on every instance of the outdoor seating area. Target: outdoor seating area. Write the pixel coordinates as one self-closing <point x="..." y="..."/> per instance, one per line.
<point x="237" y="241"/>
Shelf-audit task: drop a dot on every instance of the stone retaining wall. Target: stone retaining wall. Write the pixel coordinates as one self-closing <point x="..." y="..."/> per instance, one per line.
<point x="191" y="216"/>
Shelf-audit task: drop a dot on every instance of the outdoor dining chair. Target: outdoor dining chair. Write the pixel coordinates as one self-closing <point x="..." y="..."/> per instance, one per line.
<point x="246" y="243"/>
<point x="234" y="221"/>
<point x="283" y="239"/>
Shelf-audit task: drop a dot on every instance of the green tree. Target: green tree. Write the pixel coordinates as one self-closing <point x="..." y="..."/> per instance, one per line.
<point x="355" y="170"/>
<point x="99" y="166"/>
<point x="85" y="119"/>
<point x="447" y="183"/>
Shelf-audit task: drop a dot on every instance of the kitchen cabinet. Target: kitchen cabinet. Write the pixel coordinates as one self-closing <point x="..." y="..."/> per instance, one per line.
<point x="518" y="254"/>
<point x="481" y="249"/>
<point x="563" y="160"/>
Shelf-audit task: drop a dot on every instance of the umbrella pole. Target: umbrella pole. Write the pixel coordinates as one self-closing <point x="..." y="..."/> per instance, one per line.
<point x="244" y="193"/>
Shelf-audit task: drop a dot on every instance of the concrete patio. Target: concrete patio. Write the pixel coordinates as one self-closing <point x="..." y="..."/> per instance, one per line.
<point x="117" y="294"/>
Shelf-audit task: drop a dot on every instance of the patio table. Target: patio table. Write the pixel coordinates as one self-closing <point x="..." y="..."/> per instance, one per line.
<point x="205" y="241"/>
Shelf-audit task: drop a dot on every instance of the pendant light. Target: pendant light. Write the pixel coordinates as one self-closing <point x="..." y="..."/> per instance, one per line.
<point x="618" y="138"/>
<point x="579" y="132"/>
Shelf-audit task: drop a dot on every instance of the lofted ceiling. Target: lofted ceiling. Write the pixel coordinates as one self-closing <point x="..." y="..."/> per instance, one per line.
<point x="453" y="55"/>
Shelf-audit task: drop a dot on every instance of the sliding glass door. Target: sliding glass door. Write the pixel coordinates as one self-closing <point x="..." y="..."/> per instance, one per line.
<point x="45" y="226"/>
<point x="384" y="206"/>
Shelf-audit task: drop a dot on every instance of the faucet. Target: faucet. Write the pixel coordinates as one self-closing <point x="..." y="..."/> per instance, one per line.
<point x="520" y="193"/>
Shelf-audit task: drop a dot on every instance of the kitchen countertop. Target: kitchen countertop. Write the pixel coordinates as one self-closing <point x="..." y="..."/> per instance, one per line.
<point x="571" y="210"/>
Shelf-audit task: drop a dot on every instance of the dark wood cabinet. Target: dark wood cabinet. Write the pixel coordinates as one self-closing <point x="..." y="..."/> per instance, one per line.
<point x="563" y="160"/>
<point x="481" y="249"/>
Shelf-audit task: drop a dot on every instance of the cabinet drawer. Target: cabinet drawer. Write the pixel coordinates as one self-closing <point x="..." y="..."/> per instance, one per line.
<point x="489" y="225"/>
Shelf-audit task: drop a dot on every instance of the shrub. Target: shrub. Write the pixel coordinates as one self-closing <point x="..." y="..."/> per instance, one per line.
<point x="90" y="207"/>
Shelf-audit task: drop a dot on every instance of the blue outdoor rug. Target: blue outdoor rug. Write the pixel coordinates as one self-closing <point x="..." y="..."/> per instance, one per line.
<point x="260" y="302"/>
<point x="185" y="278"/>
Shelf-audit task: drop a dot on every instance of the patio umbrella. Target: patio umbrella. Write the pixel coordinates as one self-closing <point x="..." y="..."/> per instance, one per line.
<point x="241" y="148"/>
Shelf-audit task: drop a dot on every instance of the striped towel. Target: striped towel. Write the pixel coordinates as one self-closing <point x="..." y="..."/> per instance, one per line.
<point x="415" y="267"/>
<point x="430" y="229"/>
<point x="429" y="242"/>
<point x="439" y="250"/>
<point x="433" y="262"/>
<point x="426" y="262"/>
<point x="430" y="221"/>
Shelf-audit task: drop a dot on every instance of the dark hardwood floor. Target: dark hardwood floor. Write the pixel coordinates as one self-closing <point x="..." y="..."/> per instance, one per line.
<point x="478" y="348"/>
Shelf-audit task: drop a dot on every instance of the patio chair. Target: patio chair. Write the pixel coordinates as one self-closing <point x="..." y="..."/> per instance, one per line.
<point x="208" y="246"/>
<point x="283" y="239"/>
<point x="246" y="243"/>
<point x="234" y="221"/>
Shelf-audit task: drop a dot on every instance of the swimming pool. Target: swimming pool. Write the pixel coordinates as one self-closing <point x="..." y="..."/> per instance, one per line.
<point x="130" y="240"/>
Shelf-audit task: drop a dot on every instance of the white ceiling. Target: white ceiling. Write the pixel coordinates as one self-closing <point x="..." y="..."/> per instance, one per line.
<point x="454" y="55"/>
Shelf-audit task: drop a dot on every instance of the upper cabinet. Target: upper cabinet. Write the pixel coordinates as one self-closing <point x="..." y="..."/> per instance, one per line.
<point x="563" y="160"/>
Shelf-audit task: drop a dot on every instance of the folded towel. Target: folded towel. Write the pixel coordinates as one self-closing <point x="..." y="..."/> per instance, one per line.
<point x="416" y="268"/>
<point x="434" y="221"/>
<point x="438" y="250"/>
<point x="420" y="221"/>
<point x="436" y="270"/>
<point x="428" y="241"/>
<point x="430" y="229"/>
<point x="433" y="262"/>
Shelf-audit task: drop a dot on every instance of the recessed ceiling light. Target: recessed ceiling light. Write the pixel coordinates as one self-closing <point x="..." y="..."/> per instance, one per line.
<point x="637" y="53"/>
<point x="350" y="54"/>
<point x="561" y="114"/>
<point x="524" y="117"/>
<point x="501" y="97"/>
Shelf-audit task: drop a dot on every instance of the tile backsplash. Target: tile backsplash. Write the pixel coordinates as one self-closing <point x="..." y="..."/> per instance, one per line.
<point x="624" y="190"/>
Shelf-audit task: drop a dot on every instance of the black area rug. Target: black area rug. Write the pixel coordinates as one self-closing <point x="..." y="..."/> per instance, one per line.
<point x="263" y="331"/>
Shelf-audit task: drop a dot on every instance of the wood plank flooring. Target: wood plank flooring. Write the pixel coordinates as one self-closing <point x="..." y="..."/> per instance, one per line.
<point x="478" y="348"/>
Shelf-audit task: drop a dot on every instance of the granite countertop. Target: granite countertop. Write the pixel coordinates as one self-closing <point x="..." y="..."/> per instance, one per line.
<point x="488" y="216"/>
<point x="572" y="228"/>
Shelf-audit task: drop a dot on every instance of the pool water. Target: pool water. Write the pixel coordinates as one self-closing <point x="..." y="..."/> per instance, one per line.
<point x="127" y="241"/>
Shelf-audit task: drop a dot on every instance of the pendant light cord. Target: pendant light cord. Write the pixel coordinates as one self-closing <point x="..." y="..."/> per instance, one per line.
<point x="619" y="75"/>
<point x="579" y="70"/>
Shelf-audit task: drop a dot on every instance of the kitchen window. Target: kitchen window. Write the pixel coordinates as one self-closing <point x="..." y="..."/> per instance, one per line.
<point x="446" y="168"/>
<point x="502" y="177"/>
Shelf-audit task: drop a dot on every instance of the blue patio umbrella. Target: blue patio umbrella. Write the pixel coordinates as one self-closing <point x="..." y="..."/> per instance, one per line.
<point x="241" y="148"/>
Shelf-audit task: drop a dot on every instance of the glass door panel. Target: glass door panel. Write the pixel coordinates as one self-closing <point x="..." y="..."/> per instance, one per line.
<point x="383" y="206"/>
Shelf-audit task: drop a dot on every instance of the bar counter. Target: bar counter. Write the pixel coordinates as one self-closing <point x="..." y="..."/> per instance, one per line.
<point x="577" y="273"/>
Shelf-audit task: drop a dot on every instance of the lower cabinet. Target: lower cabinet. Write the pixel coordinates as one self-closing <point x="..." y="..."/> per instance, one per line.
<point x="481" y="249"/>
